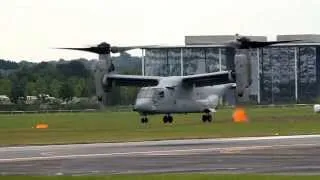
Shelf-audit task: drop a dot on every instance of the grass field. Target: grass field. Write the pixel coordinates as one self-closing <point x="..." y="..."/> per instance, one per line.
<point x="169" y="177"/>
<point x="125" y="126"/>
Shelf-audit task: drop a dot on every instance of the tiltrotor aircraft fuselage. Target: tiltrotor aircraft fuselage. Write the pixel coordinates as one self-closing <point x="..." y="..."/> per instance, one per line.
<point x="175" y="94"/>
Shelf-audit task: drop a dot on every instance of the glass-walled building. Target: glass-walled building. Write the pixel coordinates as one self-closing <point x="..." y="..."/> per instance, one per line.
<point x="188" y="60"/>
<point x="290" y="74"/>
<point x="281" y="74"/>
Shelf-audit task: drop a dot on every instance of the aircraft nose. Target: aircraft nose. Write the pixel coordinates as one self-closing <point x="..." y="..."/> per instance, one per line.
<point x="142" y="105"/>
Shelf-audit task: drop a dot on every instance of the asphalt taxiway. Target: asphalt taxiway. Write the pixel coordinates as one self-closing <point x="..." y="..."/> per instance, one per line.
<point x="277" y="154"/>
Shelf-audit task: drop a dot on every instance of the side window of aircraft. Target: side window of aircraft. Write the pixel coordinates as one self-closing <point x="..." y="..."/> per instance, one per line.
<point x="161" y="94"/>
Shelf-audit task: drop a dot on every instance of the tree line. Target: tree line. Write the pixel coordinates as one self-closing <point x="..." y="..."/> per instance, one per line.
<point x="62" y="79"/>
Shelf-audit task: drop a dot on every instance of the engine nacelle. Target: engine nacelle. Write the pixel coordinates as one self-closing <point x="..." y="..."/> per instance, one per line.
<point x="243" y="77"/>
<point x="106" y="83"/>
<point x="103" y="67"/>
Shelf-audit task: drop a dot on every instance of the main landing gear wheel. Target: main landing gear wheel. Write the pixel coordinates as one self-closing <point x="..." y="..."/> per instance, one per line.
<point x="167" y="119"/>
<point x="144" y="120"/>
<point x="206" y="118"/>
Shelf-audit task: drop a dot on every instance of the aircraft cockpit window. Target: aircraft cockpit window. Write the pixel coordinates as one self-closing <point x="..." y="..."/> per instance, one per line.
<point x="151" y="93"/>
<point x="161" y="94"/>
<point x="144" y="93"/>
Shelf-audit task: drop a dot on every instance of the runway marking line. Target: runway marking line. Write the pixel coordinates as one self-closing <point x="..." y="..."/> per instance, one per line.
<point x="152" y="153"/>
<point x="161" y="142"/>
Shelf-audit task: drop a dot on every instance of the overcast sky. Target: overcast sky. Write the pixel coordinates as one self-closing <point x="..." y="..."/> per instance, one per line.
<point x="29" y="28"/>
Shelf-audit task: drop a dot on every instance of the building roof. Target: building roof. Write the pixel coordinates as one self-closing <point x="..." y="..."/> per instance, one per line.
<point x="216" y="39"/>
<point x="221" y="46"/>
<point x="304" y="37"/>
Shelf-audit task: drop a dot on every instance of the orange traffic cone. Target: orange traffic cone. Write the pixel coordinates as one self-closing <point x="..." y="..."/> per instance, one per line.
<point x="42" y="126"/>
<point x="239" y="115"/>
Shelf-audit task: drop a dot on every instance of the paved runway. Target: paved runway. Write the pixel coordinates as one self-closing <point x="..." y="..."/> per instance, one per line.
<point x="280" y="154"/>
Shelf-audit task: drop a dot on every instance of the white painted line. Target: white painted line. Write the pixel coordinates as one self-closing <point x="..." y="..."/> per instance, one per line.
<point x="152" y="153"/>
<point x="154" y="143"/>
<point x="46" y="153"/>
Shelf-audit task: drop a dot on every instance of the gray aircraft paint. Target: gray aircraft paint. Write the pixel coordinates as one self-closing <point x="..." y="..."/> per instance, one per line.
<point x="178" y="99"/>
<point x="244" y="79"/>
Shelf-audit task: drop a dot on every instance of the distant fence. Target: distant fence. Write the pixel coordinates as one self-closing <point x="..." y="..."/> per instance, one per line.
<point x="273" y="106"/>
<point x="46" y="107"/>
<point x="46" y="111"/>
<point x="108" y="108"/>
<point x="130" y="108"/>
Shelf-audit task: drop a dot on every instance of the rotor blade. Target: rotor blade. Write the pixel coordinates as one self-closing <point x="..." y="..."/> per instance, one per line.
<point x="117" y="49"/>
<point x="280" y="42"/>
<point x="97" y="50"/>
<point x="230" y="44"/>
<point x="258" y="44"/>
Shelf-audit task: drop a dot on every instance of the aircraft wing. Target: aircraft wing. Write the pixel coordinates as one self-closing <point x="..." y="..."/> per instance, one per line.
<point x="259" y="44"/>
<point x="209" y="79"/>
<point x="130" y="80"/>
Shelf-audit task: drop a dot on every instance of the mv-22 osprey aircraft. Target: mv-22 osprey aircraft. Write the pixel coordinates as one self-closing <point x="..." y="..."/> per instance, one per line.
<point x="175" y="94"/>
